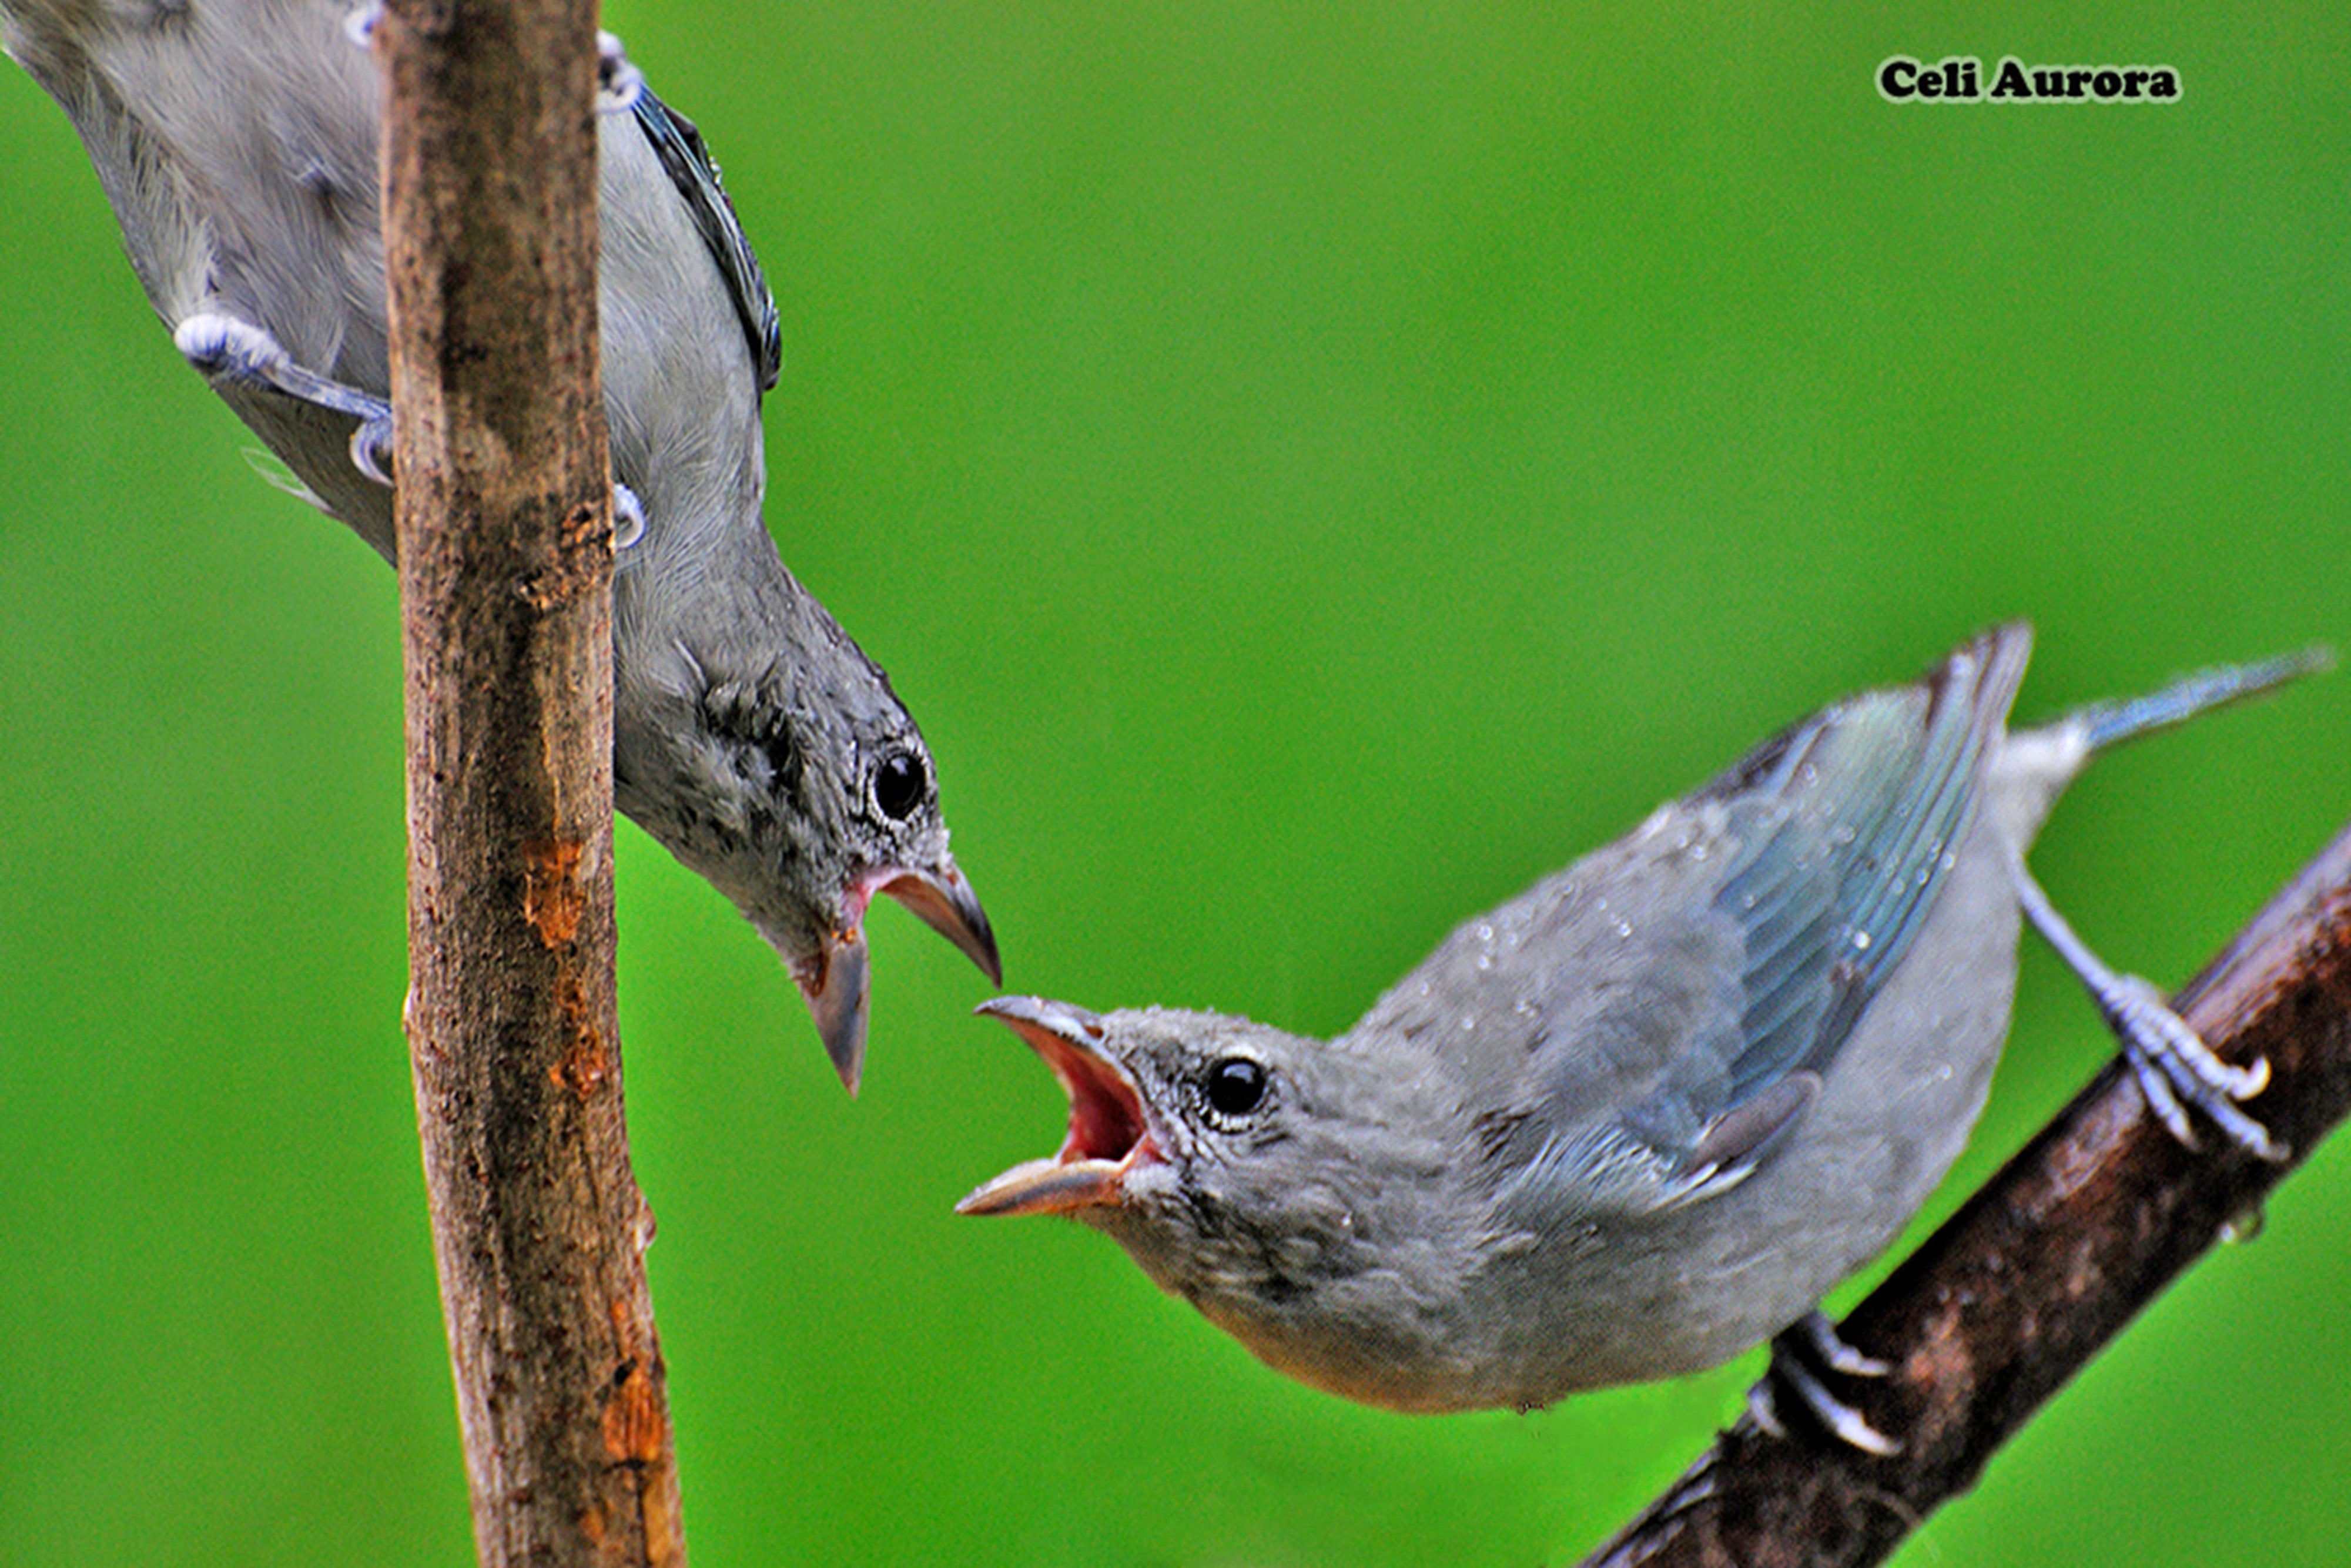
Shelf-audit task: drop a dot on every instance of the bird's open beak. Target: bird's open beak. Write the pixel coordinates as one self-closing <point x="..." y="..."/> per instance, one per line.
<point x="835" y="977"/>
<point x="1108" y="1135"/>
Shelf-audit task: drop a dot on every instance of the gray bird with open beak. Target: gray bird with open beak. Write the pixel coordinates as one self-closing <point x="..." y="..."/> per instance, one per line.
<point x="1642" y="1116"/>
<point x="237" y="140"/>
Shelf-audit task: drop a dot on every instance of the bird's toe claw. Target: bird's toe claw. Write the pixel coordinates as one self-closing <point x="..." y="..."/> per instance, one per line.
<point x="627" y="517"/>
<point x="1800" y="1354"/>
<point x="2175" y="1069"/>
<point x="618" y="82"/>
<point x="371" y="449"/>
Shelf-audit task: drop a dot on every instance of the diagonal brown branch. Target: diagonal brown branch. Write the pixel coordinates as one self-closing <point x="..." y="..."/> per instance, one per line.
<point x="2044" y="1266"/>
<point x="506" y="560"/>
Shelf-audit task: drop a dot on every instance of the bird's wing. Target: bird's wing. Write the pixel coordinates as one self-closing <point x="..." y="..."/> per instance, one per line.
<point x="1826" y="850"/>
<point x="695" y="173"/>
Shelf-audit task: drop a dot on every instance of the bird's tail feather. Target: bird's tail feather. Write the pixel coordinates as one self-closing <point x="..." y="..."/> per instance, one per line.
<point x="2107" y="723"/>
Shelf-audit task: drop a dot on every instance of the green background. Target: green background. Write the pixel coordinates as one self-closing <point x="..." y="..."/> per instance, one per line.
<point x="1311" y="470"/>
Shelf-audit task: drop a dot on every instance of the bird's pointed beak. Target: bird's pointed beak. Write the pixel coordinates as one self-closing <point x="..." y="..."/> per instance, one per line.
<point x="835" y="981"/>
<point x="1108" y="1136"/>
<point x="836" y="978"/>
<point x="946" y="902"/>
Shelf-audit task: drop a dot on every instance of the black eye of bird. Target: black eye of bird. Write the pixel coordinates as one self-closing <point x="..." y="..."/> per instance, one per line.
<point x="898" y="784"/>
<point x="1236" y="1085"/>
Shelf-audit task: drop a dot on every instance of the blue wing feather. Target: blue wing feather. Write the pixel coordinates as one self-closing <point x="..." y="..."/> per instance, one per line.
<point x="682" y="154"/>
<point x="1845" y="826"/>
<point x="1893" y="780"/>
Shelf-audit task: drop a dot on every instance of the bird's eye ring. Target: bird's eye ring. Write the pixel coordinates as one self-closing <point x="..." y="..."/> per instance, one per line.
<point x="899" y="783"/>
<point x="1235" y="1086"/>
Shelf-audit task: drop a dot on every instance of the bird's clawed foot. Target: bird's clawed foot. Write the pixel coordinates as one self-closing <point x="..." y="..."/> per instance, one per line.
<point x="2175" y="1069"/>
<point x="1804" y="1357"/>
<point x="618" y="82"/>
<point x="225" y="347"/>
<point x="628" y="518"/>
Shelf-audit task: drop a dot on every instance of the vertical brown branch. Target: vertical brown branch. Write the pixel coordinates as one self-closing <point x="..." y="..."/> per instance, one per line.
<point x="490" y="171"/>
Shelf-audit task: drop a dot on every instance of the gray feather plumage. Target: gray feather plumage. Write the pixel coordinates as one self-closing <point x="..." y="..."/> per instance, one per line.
<point x="1637" y="1119"/>
<point x="235" y="141"/>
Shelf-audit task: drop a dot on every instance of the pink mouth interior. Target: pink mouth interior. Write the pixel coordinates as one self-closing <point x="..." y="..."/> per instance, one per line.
<point x="1105" y="1116"/>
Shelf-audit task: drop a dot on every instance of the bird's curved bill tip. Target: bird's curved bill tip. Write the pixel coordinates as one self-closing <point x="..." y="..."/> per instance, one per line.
<point x="836" y="984"/>
<point x="945" y="902"/>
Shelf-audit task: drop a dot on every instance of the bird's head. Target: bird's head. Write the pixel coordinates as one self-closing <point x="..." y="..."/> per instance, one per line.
<point x="801" y="790"/>
<point x="1215" y="1150"/>
<point x="1282" y="1185"/>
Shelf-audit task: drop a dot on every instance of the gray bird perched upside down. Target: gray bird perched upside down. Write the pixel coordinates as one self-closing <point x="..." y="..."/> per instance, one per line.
<point x="237" y="141"/>
<point x="1642" y="1116"/>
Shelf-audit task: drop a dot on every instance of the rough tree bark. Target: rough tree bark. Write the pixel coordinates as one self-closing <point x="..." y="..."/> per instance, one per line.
<point x="504" y="531"/>
<point x="2047" y="1262"/>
